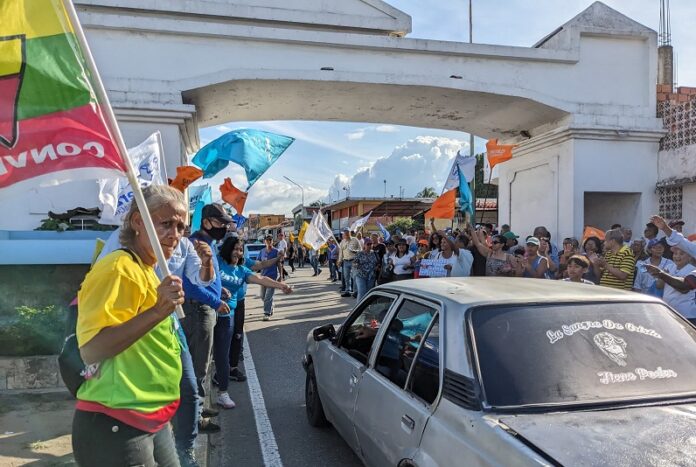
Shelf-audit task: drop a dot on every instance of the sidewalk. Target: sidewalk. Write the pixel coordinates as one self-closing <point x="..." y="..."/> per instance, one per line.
<point x="35" y="429"/>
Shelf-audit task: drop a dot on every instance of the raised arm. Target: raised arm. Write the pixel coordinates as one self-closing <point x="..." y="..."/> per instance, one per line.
<point x="479" y="243"/>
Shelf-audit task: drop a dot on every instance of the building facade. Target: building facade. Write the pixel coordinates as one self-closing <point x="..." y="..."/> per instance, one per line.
<point x="676" y="186"/>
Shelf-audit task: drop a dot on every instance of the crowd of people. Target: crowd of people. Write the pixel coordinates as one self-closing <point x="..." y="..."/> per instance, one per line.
<point x="662" y="262"/>
<point x="145" y="390"/>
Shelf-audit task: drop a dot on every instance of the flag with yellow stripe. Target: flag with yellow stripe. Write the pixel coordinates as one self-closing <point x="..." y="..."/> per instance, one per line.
<point x="51" y="124"/>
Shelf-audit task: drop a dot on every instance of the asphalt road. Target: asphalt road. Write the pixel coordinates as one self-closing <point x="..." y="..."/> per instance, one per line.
<point x="276" y="348"/>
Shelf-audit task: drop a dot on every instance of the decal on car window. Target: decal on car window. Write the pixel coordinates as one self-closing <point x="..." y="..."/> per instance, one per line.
<point x="570" y="329"/>
<point x="607" y="377"/>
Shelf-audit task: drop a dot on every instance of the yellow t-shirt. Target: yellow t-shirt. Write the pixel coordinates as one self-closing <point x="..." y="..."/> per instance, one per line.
<point x="146" y="375"/>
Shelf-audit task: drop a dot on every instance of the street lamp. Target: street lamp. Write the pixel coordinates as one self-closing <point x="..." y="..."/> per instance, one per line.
<point x="347" y="190"/>
<point x="301" y="189"/>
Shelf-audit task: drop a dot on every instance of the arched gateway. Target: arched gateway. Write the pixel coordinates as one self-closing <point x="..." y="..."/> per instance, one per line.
<point x="580" y="103"/>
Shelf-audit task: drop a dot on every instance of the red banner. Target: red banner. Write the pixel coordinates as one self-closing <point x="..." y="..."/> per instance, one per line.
<point x="82" y="142"/>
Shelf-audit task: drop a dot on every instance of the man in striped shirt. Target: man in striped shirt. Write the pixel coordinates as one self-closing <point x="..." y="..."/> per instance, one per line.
<point x="618" y="264"/>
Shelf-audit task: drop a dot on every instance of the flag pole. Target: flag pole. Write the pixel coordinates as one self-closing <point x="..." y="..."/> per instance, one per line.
<point x="110" y="117"/>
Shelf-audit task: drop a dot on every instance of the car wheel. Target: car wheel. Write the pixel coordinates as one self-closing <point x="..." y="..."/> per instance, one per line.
<point x="315" y="411"/>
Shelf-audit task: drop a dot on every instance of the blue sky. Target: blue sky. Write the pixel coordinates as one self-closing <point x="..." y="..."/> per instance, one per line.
<point x="326" y="156"/>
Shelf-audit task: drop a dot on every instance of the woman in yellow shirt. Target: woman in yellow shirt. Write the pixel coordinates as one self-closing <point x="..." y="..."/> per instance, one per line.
<point x="126" y="335"/>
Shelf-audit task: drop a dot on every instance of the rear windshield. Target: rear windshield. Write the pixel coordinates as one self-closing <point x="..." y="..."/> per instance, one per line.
<point x="255" y="247"/>
<point x="590" y="353"/>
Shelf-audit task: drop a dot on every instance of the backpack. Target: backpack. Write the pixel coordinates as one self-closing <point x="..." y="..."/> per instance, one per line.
<point x="70" y="364"/>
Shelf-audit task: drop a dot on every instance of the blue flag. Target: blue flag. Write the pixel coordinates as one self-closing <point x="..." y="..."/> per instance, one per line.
<point x="254" y="150"/>
<point x="466" y="198"/>
<point x="239" y="220"/>
<point x="200" y="197"/>
<point x="385" y="232"/>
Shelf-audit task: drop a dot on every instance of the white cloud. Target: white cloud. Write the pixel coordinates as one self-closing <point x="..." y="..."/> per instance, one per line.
<point x="224" y="128"/>
<point x="418" y="163"/>
<point x="357" y="134"/>
<point x="386" y="129"/>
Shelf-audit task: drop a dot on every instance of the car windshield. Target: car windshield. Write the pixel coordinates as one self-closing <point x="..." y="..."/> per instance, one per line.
<point x="254" y="247"/>
<point x="582" y="353"/>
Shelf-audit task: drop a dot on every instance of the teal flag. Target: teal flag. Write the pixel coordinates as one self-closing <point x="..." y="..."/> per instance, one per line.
<point x="466" y="198"/>
<point x="199" y="196"/>
<point x="254" y="150"/>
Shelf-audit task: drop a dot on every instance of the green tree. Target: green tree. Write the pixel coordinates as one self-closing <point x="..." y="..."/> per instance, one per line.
<point x="427" y="192"/>
<point x="483" y="189"/>
<point x="404" y="224"/>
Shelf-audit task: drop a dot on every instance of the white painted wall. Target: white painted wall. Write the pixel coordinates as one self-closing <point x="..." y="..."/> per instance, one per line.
<point x="675" y="164"/>
<point x="618" y="166"/>
<point x="689" y="208"/>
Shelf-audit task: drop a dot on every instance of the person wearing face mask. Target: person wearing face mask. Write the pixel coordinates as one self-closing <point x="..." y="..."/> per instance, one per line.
<point x="203" y="304"/>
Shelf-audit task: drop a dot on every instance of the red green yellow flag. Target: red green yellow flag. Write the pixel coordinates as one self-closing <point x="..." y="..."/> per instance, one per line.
<point x="52" y="128"/>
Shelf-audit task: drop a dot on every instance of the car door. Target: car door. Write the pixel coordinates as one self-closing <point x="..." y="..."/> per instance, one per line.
<point x="340" y="366"/>
<point x="389" y="416"/>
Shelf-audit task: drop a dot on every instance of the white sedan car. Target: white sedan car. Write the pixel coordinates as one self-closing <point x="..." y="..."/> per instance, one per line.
<point x="507" y="372"/>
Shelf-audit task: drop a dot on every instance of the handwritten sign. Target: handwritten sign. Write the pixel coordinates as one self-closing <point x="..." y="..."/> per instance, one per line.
<point x="433" y="268"/>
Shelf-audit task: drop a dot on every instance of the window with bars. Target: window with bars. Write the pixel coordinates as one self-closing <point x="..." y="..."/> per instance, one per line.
<point x="670" y="199"/>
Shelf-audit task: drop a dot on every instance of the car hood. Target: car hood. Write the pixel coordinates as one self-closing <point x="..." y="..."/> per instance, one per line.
<point x="664" y="435"/>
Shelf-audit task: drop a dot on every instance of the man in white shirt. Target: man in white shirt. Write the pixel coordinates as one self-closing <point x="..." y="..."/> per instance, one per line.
<point x="674" y="238"/>
<point x="282" y="247"/>
<point x="677" y="279"/>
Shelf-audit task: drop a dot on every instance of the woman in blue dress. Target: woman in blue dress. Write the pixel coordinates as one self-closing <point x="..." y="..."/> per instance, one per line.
<point x="234" y="275"/>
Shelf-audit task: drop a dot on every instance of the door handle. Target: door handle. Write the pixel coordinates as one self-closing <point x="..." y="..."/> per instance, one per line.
<point x="408" y="422"/>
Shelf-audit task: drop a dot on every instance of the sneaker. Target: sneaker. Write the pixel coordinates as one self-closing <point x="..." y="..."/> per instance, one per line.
<point x="345" y="294"/>
<point x="187" y="458"/>
<point x="210" y="413"/>
<point x="225" y="401"/>
<point x="237" y="375"/>
<point x="266" y="317"/>
<point x="207" y="427"/>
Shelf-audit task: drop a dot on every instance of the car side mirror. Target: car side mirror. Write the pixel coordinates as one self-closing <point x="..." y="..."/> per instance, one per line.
<point x="326" y="331"/>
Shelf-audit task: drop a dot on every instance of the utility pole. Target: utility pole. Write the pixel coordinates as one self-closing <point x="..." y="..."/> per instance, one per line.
<point x="385" y="188"/>
<point x="471" y="135"/>
<point x="302" y="190"/>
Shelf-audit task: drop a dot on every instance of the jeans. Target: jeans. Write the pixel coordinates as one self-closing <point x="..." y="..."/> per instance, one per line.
<point x="347" y="280"/>
<point x="332" y="269"/>
<point x="185" y="420"/>
<point x="99" y="440"/>
<point x="267" y="297"/>
<point x="314" y="261"/>
<point x="221" y="349"/>
<point x="364" y="284"/>
<point x="198" y="326"/>
<point x="238" y="334"/>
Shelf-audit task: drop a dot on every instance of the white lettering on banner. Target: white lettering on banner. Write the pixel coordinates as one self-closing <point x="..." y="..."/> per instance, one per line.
<point x="570" y="329"/>
<point x="69" y="149"/>
<point x="50" y="152"/>
<point x="47" y="151"/>
<point x="607" y="377"/>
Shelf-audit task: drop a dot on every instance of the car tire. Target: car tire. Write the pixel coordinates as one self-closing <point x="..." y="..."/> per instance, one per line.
<point x="315" y="411"/>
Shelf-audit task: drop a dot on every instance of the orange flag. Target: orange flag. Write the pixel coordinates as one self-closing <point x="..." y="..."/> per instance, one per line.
<point x="185" y="176"/>
<point x="592" y="232"/>
<point x="498" y="153"/>
<point x="233" y="196"/>
<point x="443" y="207"/>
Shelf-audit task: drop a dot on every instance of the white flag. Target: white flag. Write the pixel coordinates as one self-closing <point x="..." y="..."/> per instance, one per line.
<point x="318" y="232"/>
<point x="116" y="194"/>
<point x="466" y="164"/>
<point x="360" y="222"/>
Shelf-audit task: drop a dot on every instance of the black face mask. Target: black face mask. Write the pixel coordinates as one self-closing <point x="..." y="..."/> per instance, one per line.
<point x="217" y="233"/>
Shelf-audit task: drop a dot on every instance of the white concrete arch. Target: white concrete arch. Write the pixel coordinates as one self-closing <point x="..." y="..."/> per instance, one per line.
<point x="584" y="96"/>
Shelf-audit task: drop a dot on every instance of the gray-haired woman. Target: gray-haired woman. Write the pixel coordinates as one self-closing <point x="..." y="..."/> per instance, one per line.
<point x="125" y="328"/>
